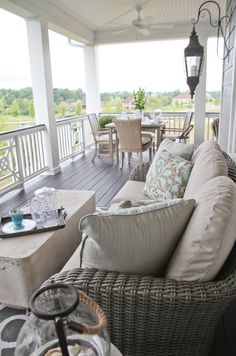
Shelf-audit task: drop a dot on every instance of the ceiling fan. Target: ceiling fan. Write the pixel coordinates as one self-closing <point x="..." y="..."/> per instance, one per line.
<point x="141" y="24"/>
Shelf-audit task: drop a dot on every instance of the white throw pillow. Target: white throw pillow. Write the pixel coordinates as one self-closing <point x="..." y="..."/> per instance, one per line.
<point x="167" y="177"/>
<point x="210" y="234"/>
<point x="137" y="240"/>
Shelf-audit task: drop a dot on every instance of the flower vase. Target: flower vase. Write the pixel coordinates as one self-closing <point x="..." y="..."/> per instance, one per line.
<point x="138" y="114"/>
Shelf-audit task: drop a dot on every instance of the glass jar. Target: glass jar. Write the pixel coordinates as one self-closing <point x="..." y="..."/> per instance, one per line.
<point x="63" y="322"/>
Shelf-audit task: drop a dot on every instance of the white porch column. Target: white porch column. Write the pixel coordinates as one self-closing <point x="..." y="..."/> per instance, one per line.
<point x="93" y="101"/>
<point x="43" y="89"/>
<point x="200" y="99"/>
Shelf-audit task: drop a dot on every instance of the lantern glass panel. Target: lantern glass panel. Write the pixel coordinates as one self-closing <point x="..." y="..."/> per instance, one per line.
<point x="193" y="65"/>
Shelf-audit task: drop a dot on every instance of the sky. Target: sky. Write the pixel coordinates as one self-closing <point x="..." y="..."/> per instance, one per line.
<point x="151" y="65"/>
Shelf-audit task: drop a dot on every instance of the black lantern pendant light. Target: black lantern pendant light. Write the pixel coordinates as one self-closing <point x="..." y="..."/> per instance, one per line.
<point x="193" y="55"/>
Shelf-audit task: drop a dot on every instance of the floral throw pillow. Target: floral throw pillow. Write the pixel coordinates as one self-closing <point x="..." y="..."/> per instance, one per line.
<point x="168" y="177"/>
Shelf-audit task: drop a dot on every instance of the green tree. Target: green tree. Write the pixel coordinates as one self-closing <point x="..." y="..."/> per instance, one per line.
<point x="117" y="104"/>
<point x="107" y="106"/>
<point x="78" y="107"/>
<point x="152" y="103"/>
<point x="2" y="105"/>
<point x="61" y="108"/>
<point x="14" y="108"/>
<point x="31" y="108"/>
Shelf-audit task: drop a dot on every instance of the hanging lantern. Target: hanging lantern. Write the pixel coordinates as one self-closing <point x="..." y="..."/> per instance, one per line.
<point x="193" y="55"/>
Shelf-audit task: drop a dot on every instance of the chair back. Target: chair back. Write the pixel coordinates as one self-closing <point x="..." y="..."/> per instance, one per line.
<point x="129" y="132"/>
<point x="215" y="127"/>
<point x="186" y="132"/>
<point x="147" y="115"/>
<point x="188" y="120"/>
<point x="94" y="123"/>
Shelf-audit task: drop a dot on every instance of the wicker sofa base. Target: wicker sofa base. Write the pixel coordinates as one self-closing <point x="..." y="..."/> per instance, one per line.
<point x="152" y="316"/>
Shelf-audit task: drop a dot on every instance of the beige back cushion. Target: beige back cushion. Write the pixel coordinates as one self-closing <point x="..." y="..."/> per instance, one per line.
<point x="205" y="147"/>
<point x="208" y="165"/>
<point x="136" y="240"/>
<point x="210" y="234"/>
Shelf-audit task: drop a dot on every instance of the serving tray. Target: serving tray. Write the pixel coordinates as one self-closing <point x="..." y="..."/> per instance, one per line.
<point x="38" y="228"/>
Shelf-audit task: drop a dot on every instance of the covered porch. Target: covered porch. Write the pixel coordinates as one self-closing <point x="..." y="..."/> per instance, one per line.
<point x="114" y="24"/>
<point x="49" y="146"/>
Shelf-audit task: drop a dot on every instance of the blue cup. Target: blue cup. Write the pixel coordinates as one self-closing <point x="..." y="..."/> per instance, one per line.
<point x="17" y="219"/>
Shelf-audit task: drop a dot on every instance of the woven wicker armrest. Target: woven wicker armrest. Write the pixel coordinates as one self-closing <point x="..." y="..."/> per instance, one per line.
<point x="155" y="316"/>
<point x="139" y="173"/>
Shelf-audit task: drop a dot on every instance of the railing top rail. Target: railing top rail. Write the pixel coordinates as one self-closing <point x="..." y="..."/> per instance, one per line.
<point x="22" y="131"/>
<point x="71" y="119"/>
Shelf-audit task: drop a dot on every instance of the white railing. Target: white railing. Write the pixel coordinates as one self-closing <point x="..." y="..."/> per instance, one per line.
<point x="173" y="119"/>
<point x="74" y="136"/>
<point x="22" y="156"/>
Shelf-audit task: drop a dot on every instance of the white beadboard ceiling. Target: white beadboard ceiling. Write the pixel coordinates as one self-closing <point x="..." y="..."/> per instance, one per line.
<point x="99" y="21"/>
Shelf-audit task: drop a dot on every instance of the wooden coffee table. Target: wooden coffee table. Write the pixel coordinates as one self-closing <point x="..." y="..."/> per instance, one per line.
<point x="27" y="261"/>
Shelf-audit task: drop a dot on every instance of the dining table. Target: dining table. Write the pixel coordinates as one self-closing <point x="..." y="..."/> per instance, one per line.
<point x="147" y="125"/>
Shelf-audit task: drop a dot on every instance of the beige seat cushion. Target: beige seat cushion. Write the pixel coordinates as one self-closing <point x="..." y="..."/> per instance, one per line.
<point x="136" y="240"/>
<point x="210" y="234"/>
<point x="132" y="190"/>
<point x="208" y="165"/>
<point x="205" y="147"/>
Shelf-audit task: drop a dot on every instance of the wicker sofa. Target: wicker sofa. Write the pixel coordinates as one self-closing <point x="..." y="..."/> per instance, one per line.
<point x="156" y="316"/>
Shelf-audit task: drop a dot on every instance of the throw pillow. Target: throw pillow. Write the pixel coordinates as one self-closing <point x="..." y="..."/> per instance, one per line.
<point x="210" y="234"/>
<point x="127" y="204"/>
<point x="183" y="150"/>
<point x="208" y="165"/>
<point x="139" y="242"/>
<point x="168" y="177"/>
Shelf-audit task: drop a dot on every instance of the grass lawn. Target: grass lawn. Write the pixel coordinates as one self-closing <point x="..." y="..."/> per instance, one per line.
<point x="8" y="122"/>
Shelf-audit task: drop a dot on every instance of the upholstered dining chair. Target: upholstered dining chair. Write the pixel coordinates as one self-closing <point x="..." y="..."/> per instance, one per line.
<point x="101" y="137"/>
<point x="131" y="139"/>
<point x="173" y="132"/>
<point x="215" y="128"/>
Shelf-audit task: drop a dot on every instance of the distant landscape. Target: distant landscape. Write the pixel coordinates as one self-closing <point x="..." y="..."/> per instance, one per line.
<point x="17" y="107"/>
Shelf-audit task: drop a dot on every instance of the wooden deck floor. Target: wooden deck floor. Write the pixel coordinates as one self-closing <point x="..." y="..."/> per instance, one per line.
<point x="106" y="181"/>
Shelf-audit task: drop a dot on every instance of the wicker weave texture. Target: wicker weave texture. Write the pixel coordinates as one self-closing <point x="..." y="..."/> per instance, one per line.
<point x="231" y="166"/>
<point x="139" y="173"/>
<point x="153" y="316"/>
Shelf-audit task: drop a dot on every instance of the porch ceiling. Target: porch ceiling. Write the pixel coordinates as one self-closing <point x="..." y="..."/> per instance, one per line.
<point x="97" y="21"/>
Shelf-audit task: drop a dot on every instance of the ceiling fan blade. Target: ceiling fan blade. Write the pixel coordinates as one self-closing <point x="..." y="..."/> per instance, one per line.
<point x="118" y="32"/>
<point x="161" y="26"/>
<point x="144" y="31"/>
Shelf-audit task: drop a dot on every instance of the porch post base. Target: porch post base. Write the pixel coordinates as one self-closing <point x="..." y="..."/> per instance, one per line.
<point x="52" y="171"/>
